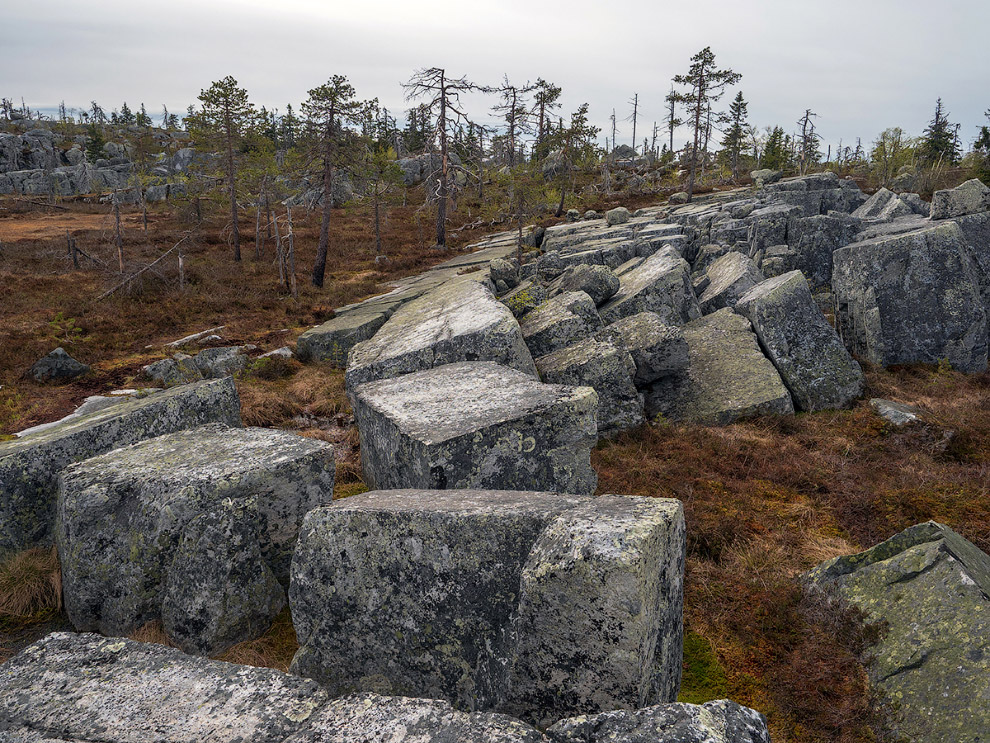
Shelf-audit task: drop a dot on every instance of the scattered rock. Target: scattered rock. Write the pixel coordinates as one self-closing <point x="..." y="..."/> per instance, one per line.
<point x="765" y="177"/>
<point x="661" y="284"/>
<point x="180" y="369"/>
<point x="573" y="215"/>
<point x="526" y="297"/>
<point x="808" y="353"/>
<point x="224" y="361"/>
<point x="969" y="198"/>
<point x="476" y="425"/>
<point x="194" y="528"/>
<point x="657" y="349"/>
<point x="883" y="205"/>
<point x="279" y="353"/>
<point x="619" y="215"/>
<point x="536" y="604"/>
<point x="196" y="337"/>
<point x="57" y="367"/>
<point x="502" y="269"/>
<point x="680" y="197"/>
<point x="29" y="466"/>
<point x="896" y="413"/>
<point x="549" y="266"/>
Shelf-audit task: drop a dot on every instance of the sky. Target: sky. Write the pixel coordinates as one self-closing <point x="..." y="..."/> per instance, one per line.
<point x="861" y="65"/>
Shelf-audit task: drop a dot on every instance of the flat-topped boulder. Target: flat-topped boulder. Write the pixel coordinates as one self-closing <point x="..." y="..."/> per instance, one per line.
<point x="913" y="297"/>
<point x="657" y="349"/>
<point x="29" y="466"/>
<point x="476" y="425"/>
<point x="458" y="321"/>
<point x="808" y="353"/>
<point x="928" y="586"/>
<point x="195" y="528"/>
<point x="335" y="338"/>
<point x="90" y="689"/>
<point x="559" y="322"/>
<point x="813" y="240"/>
<point x="536" y="604"/>
<point x="598" y="282"/>
<point x="729" y="277"/>
<point x="728" y="376"/>
<point x="721" y="721"/>
<point x="971" y="197"/>
<point x="884" y="205"/>
<point x="661" y="284"/>
<point x="608" y="368"/>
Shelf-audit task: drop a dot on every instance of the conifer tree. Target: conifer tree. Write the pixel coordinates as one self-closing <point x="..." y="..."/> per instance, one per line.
<point x="735" y="136"/>
<point x="938" y="143"/>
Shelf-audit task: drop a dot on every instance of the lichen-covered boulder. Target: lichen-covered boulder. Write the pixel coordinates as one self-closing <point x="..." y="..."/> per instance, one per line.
<point x="609" y="369"/>
<point x="560" y="322"/>
<point x="765" y="176"/>
<point x="884" y="205"/>
<point x="525" y="298"/>
<point x="29" y="466"/>
<point x="189" y="528"/>
<point x="180" y="369"/>
<point x="728" y="376"/>
<point x="808" y="353"/>
<point x="912" y="297"/>
<point x="476" y="425"/>
<point x="536" y="604"/>
<point x="729" y="277"/>
<point x="505" y="270"/>
<point x="971" y="197"/>
<point x="657" y="349"/>
<point x="619" y="215"/>
<point x="812" y="241"/>
<point x="598" y="282"/>
<point x="223" y="361"/>
<point x="58" y="366"/>
<point x="720" y="721"/>
<point x="929" y="588"/>
<point x="335" y="338"/>
<point x="660" y="284"/>
<point x="769" y="225"/>
<point x="458" y="321"/>
<point x="82" y="688"/>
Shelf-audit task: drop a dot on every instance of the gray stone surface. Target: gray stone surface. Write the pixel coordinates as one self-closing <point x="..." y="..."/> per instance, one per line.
<point x="560" y="322"/>
<point x="896" y="413"/>
<point x="598" y="282"/>
<point x="657" y="349"/>
<point x="913" y="297"/>
<point x="929" y="587"/>
<point x="459" y="321"/>
<point x="814" y="239"/>
<point x="194" y="528"/>
<point x="883" y="205"/>
<point x="728" y="377"/>
<point x="660" y="284"/>
<point x="608" y="368"/>
<point x="764" y="177"/>
<point x="180" y="369"/>
<point x="537" y="604"/>
<point x="808" y="353"/>
<point x="223" y="361"/>
<point x="476" y="425"/>
<point x="729" y="277"/>
<point x="335" y="338"/>
<point x="971" y="197"/>
<point x="720" y="721"/>
<point x="619" y="215"/>
<point x="529" y="295"/>
<point x="29" y="466"/>
<point x="58" y="366"/>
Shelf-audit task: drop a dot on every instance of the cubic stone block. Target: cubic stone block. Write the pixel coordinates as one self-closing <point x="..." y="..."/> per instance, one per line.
<point x="459" y="321"/>
<point x="536" y="604"/>
<point x="559" y="322"/>
<point x="657" y="349"/>
<point x="729" y="277"/>
<point x="29" y="466"/>
<point x="476" y="425"/>
<point x="194" y="528"/>
<point x="660" y="284"/>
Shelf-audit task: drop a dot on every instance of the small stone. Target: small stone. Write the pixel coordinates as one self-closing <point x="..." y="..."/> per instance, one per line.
<point x="896" y="413"/>
<point x="57" y="367"/>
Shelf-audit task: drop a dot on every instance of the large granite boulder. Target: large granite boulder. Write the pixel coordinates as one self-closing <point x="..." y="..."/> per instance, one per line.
<point x="29" y="466"/>
<point x="83" y="688"/>
<point x="179" y="369"/>
<point x="560" y="322"/>
<point x="728" y="377"/>
<point x="928" y="586"/>
<point x="912" y="297"/>
<point x="537" y="604"/>
<point x="459" y="321"/>
<point x="813" y="240"/>
<point x="58" y="366"/>
<point x="657" y="349"/>
<point x="884" y="205"/>
<point x="526" y="297"/>
<point x="769" y="225"/>
<point x="661" y="284"/>
<point x="729" y="277"/>
<point x="195" y="528"/>
<point x="598" y="282"/>
<point x="720" y="721"/>
<point x="619" y="215"/>
<point x="808" y="353"/>
<point x="476" y="425"/>
<point x="609" y="369"/>
<point x="971" y="197"/>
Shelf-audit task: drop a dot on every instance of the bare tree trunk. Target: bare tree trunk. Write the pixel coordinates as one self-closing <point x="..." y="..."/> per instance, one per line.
<point x="232" y="189"/>
<point x="378" y="228"/>
<point x="697" y="134"/>
<point x="320" y="266"/>
<point x="268" y="213"/>
<point x="280" y="256"/>
<point x="71" y="244"/>
<point x="182" y="271"/>
<point x="442" y="190"/>
<point x="119" y="240"/>
<point x="257" y="231"/>
<point x="292" y="255"/>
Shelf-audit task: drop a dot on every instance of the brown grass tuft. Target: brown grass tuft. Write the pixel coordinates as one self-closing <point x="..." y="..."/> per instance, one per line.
<point x="274" y="649"/>
<point x="30" y="586"/>
<point x="151" y="632"/>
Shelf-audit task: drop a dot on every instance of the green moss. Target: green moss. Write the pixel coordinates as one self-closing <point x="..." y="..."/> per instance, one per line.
<point x="703" y="678"/>
<point x="348" y="489"/>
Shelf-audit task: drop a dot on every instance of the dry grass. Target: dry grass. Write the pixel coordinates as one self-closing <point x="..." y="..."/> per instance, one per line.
<point x="274" y="649"/>
<point x="151" y="632"/>
<point x="30" y="587"/>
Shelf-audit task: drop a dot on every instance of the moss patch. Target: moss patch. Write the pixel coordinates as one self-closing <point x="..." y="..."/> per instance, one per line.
<point x="703" y="678"/>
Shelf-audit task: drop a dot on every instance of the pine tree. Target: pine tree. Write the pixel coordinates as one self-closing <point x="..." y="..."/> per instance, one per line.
<point x="94" y="142"/>
<point x="142" y="117"/>
<point x="126" y="117"/>
<point x="735" y="135"/>
<point x="775" y="152"/>
<point x="515" y="112"/>
<point x="706" y="84"/>
<point x="938" y="143"/>
<point x="545" y="100"/>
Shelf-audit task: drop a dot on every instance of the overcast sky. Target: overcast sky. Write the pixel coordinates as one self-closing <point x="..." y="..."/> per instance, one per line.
<point x="862" y="65"/>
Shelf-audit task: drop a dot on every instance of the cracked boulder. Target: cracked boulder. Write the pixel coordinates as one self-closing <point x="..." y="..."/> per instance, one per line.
<point x="476" y="425"/>
<point x="729" y="277"/>
<point x="458" y="321"/>
<point x="196" y="529"/>
<point x="808" y="353"/>
<point x="728" y="377"/>
<point x="657" y="349"/>
<point x="884" y="206"/>
<point x="661" y="284"/>
<point x="912" y="298"/>
<point x="928" y="586"/>
<point x="539" y="605"/>
<point x="609" y="369"/>
<point x="598" y="282"/>
<point x="560" y="322"/>
<point x="971" y="197"/>
<point x="29" y="466"/>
